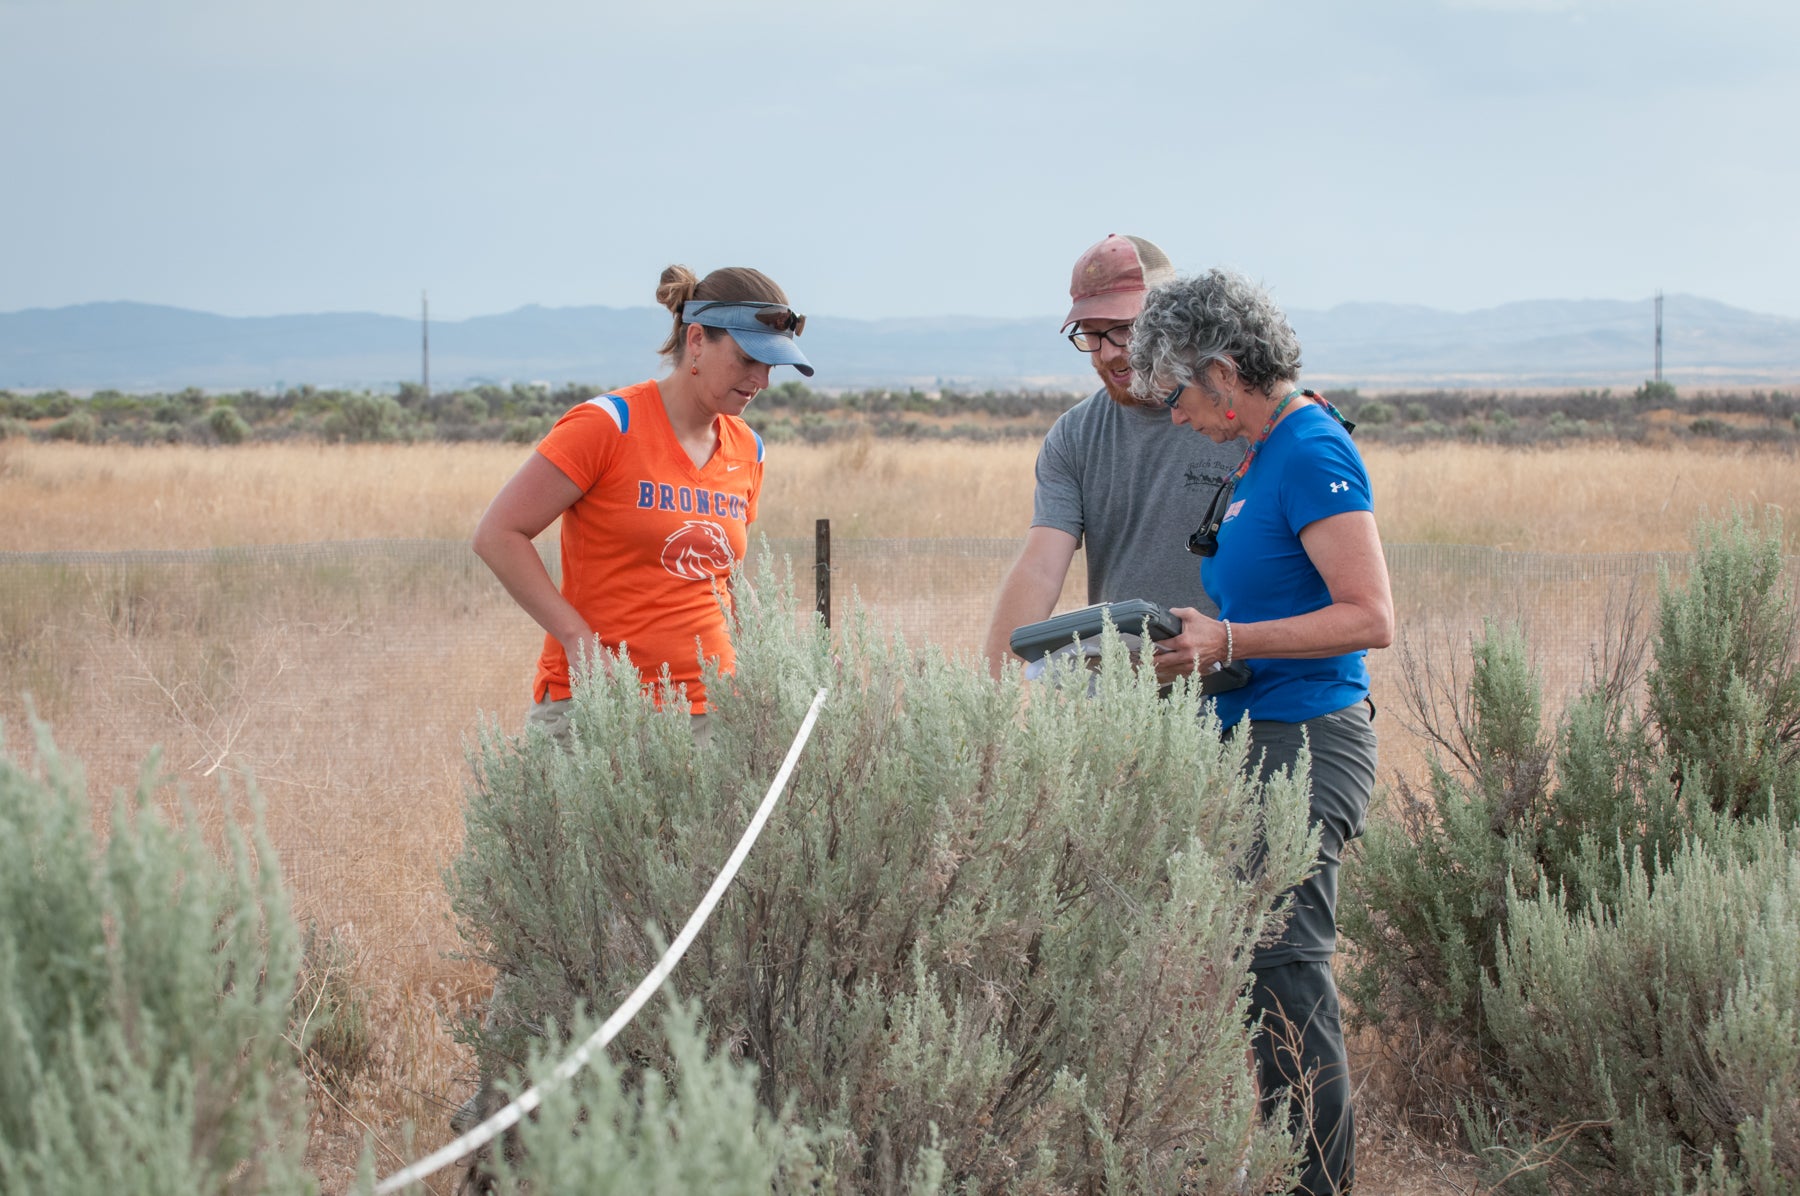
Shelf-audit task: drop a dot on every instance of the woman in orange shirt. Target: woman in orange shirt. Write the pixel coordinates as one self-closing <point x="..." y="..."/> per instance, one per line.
<point x="656" y="485"/>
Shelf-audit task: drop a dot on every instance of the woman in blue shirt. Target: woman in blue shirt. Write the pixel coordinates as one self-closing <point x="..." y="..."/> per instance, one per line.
<point x="1293" y="559"/>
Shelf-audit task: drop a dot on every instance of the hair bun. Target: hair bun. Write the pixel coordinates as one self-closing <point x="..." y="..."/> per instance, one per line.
<point x="676" y="287"/>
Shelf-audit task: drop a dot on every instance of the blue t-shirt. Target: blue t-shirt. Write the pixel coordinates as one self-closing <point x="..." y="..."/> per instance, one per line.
<point x="1306" y="470"/>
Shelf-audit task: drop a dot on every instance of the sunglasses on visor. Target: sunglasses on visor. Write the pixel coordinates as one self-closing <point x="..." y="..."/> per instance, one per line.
<point x="778" y="316"/>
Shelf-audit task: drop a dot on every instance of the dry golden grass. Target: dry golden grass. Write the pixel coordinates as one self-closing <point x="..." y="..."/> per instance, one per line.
<point x="68" y="496"/>
<point x="1584" y="498"/>
<point x="889" y="489"/>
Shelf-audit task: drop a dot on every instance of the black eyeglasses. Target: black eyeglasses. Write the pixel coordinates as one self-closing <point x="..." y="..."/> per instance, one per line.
<point x="1205" y="539"/>
<point x="1118" y="337"/>
<point x="778" y="316"/>
<point x="1173" y="397"/>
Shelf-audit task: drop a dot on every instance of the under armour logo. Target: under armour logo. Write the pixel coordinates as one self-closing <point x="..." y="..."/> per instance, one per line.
<point x="1337" y="486"/>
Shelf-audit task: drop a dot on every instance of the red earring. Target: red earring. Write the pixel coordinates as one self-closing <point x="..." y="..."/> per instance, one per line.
<point x="1230" y="414"/>
<point x="694" y="369"/>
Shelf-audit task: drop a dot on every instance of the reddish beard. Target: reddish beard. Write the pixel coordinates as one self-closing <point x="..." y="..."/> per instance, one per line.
<point x="1119" y="394"/>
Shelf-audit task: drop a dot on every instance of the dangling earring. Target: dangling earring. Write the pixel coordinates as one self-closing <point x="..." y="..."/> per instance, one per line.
<point x="1230" y="414"/>
<point x="694" y="369"/>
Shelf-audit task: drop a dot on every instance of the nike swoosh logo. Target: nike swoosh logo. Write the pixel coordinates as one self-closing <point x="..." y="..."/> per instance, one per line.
<point x="733" y="468"/>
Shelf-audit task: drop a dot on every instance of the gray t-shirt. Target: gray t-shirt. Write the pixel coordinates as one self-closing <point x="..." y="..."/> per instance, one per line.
<point x="1130" y="486"/>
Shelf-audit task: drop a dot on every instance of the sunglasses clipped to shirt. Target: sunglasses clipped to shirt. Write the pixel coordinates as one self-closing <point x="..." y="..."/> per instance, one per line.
<point x="1204" y="540"/>
<point x="777" y="317"/>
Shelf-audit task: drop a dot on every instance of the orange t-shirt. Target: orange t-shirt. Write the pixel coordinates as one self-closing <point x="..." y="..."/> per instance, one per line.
<point x="648" y="547"/>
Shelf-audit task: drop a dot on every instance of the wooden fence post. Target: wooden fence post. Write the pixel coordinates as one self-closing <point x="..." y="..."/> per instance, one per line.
<point x="822" y="568"/>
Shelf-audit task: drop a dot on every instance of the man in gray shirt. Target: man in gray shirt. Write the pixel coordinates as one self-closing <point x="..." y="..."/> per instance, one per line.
<point x="1110" y="476"/>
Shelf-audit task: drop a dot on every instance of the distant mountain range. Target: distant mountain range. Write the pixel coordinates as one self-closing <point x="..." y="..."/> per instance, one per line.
<point x="142" y="347"/>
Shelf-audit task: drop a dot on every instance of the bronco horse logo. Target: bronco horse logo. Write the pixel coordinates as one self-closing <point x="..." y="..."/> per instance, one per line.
<point x="697" y="550"/>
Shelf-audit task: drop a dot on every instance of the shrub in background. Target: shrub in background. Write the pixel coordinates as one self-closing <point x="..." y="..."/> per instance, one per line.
<point x="792" y="411"/>
<point x="78" y="426"/>
<point x="364" y="419"/>
<point x="1642" y="771"/>
<point x="1725" y="695"/>
<point x="226" y="425"/>
<point x="143" y="1000"/>
<point x="994" y="940"/>
<point x="527" y="431"/>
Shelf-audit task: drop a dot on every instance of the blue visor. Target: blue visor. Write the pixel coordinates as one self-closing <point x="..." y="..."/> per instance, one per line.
<point x="765" y="331"/>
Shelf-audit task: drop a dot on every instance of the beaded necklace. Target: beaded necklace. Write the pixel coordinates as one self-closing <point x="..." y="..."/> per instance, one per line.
<point x="1290" y="396"/>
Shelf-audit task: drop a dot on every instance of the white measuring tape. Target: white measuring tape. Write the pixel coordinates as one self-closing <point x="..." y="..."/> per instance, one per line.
<point x="528" y="1100"/>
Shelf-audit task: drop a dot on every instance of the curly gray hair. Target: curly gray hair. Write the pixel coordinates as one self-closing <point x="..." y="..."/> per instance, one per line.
<point x="1218" y="315"/>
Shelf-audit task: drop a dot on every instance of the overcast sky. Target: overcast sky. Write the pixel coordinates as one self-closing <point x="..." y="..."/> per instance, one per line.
<point x="919" y="158"/>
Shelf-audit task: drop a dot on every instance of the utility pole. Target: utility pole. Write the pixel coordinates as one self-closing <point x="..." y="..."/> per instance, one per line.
<point x="1659" y="336"/>
<point x="425" y="341"/>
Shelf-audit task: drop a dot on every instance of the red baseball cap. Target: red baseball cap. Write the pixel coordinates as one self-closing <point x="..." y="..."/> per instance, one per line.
<point x="1111" y="277"/>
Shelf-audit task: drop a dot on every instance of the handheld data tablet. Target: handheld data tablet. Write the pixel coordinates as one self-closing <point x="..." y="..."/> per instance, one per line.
<point x="1133" y="616"/>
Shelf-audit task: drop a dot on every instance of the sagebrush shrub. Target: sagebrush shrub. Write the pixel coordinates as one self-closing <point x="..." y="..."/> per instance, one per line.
<point x="1665" y="1024"/>
<point x="144" y="992"/>
<point x="699" y="1127"/>
<point x="79" y="426"/>
<point x="997" y="937"/>
<point x="1646" y="779"/>
<point x="226" y="425"/>
<point x="1725" y="689"/>
<point x="1427" y="900"/>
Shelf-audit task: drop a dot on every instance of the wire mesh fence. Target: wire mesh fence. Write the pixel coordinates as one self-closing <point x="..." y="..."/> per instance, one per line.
<point x="348" y="678"/>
